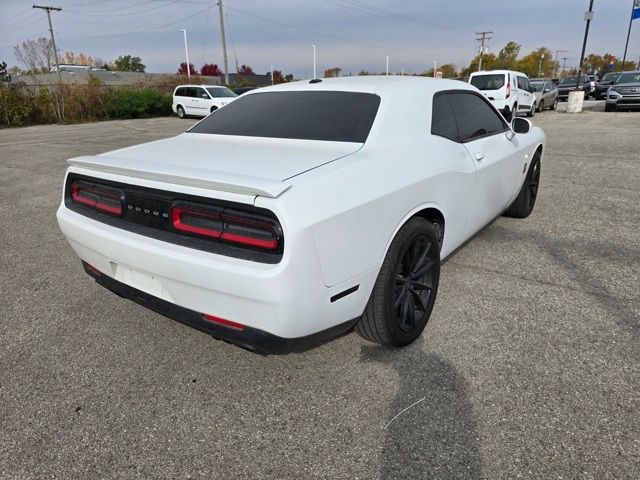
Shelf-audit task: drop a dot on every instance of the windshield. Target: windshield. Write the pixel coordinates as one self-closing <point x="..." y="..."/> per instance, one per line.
<point x="567" y="80"/>
<point x="488" y="82"/>
<point x="220" y="92"/>
<point x="609" y="77"/>
<point x="537" y="87"/>
<point x="300" y="115"/>
<point x="630" y="77"/>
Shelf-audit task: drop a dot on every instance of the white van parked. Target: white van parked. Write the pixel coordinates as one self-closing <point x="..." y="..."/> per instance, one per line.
<point x="200" y="100"/>
<point x="509" y="91"/>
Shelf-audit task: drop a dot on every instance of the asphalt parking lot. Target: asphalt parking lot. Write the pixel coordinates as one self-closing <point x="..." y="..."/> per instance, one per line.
<point x="529" y="367"/>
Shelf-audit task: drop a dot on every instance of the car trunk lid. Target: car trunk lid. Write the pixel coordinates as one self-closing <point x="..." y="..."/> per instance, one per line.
<point x="247" y="165"/>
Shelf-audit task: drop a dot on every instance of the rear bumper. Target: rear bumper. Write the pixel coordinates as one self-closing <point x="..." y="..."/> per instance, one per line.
<point x="286" y="300"/>
<point x="252" y="339"/>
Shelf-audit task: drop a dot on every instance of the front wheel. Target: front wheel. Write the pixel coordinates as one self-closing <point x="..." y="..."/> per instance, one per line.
<point x="609" y="108"/>
<point x="405" y="291"/>
<point x="523" y="205"/>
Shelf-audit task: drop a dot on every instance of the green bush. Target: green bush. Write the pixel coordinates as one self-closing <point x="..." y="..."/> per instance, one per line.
<point x="21" y="105"/>
<point x="128" y="103"/>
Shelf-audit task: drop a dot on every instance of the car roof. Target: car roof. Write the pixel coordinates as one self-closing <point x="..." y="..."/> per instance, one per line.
<point x="496" y="72"/>
<point x="199" y="85"/>
<point x="376" y="84"/>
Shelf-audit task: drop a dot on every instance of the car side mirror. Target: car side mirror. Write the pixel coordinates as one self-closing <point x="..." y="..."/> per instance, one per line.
<point x="547" y="90"/>
<point x="521" y="125"/>
<point x="204" y="95"/>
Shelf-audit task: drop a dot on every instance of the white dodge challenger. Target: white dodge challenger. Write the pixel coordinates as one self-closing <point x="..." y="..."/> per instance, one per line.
<point x="301" y="211"/>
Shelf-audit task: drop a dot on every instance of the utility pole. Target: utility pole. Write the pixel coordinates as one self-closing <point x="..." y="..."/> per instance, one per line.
<point x="588" y="17"/>
<point x="564" y="62"/>
<point x="484" y="37"/>
<point x="224" y="44"/>
<point x="387" y="64"/>
<point x="636" y="4"/>
<point x="53" y="40"/>
<point x="555" y="64"/>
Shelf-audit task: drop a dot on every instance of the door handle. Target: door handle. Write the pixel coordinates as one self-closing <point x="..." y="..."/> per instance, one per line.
<point x="479" y="156"/>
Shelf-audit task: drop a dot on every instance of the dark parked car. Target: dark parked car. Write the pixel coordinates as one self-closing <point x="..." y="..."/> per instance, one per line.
<point x="602" y="87"/>
<point x="625" y="92"/>
<point x="240" y="91"/>
<point x="568" y="84"/>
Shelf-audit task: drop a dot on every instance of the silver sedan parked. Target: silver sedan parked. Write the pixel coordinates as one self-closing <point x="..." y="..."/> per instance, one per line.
<point x="546" y="95"/>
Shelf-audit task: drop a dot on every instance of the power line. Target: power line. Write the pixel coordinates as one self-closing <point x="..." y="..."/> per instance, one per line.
<point x="138" y="31"/>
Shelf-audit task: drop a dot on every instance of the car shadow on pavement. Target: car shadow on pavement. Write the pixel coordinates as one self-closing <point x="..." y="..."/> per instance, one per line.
<point x="437" y="437"/>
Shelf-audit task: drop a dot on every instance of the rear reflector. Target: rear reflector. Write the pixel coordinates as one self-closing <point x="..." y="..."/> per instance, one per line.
<point x="90" y="269"/>
<point x="222" y="321"/>
<point x="98" y="197"/>
<point x="229" y="225"/>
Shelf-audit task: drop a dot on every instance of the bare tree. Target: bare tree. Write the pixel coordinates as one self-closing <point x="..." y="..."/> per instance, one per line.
<point x="36" y="55"/>
<point x="78" y="59"/>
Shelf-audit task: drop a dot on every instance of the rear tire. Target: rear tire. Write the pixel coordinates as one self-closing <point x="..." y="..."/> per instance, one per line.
<point x="555" y="104"/>
<point x="181" y="112"/>
<point x="541" y="106"/>
<point x="523" y="205"/>
<point x="609" y="108"/>
<point x="405" y="290"/>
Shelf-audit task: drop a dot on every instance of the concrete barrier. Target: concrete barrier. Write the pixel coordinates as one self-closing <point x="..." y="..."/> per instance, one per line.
<point x="575" y="101"/>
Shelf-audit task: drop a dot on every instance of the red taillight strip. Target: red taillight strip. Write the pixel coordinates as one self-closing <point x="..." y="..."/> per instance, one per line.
<point x="222" y="321"/>
<point x="178" y="224"/>
<point x="228" y="221"/>
<point x="76" y="195"/>
<point x="271" y="244"/>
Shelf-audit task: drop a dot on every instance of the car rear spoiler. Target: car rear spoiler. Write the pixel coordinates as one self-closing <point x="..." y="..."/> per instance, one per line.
<point x="183" y="175"/>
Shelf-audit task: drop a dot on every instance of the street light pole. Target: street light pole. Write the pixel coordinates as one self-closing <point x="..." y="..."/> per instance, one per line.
<point x="314" y="61"/>
<point x="387" y="64"/>
<point x="186" y="51"/>
<point x="588" y="17"/>
<point x="635" y="4"/>
<point x="540" y="65"/>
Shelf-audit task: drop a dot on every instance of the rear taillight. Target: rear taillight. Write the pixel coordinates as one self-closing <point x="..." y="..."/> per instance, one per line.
<point x="508" y="89"/>
<point x="225" y="224"/>
<point x="98" y="197"/>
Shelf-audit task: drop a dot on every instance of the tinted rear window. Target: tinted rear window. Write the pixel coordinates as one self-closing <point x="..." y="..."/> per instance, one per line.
<point x="328" y="116"/>
<point x="488" y="82"/>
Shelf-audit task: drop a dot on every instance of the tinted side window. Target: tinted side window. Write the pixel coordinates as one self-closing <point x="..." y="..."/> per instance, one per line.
<point x="475" y="117"/>
<point x="200" y="93"/>
<point x="191" y="92"/>
<point x="180" y="92"/>
<point x="522" y="83"/>
<point x="443" y="122"/>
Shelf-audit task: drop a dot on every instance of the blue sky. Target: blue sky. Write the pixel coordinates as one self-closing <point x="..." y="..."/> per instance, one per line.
<point x="351" y="34"/>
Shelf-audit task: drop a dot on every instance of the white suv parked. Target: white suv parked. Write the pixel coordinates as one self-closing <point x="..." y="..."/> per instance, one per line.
<point x="509" y="91"/>
<point x="200" y="100"/>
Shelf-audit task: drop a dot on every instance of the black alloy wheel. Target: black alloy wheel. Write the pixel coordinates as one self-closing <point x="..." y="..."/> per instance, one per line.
<point x="413" y="291"/>
<point x="523" y="205"/>
<point x="405" y="291"/>
<point x="534" y="181"/>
